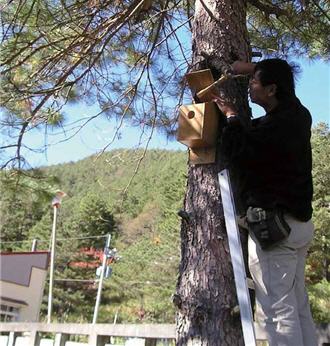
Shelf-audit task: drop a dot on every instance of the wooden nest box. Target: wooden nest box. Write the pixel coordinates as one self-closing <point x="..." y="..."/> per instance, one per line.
<point x="198" y="125"/>
<point x="198" y="122"/>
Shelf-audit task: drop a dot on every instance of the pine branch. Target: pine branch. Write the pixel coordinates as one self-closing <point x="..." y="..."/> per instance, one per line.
<point x="268" y="9"/>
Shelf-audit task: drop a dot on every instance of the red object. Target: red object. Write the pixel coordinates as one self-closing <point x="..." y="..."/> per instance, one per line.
<point x="94" y="253"/>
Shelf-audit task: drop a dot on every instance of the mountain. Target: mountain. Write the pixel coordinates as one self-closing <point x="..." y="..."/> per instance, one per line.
<point x="133" y="195"/>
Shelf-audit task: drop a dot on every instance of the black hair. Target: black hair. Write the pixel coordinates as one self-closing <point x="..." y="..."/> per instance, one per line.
<point x="280" y="73"/>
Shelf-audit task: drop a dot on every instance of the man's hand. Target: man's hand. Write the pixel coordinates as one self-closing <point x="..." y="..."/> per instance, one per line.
<point x="227" y="108"/>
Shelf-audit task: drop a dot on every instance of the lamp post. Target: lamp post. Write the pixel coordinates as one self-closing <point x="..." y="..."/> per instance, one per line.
<point x="103" y="267"/>
<point x="56" y="202"/>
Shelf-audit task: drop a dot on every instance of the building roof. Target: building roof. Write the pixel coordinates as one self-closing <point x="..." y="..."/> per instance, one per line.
<point x="11" y="300"/>
<point x="16" y="267"/>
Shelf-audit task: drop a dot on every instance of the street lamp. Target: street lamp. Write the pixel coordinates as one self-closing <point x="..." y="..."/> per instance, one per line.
<point x="56" y="202"/>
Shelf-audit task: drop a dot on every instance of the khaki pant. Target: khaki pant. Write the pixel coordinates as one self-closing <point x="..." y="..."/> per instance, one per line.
<point x="282" y="302"/>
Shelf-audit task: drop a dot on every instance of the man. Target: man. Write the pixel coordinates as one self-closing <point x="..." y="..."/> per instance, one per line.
<point x="274" y="158"/>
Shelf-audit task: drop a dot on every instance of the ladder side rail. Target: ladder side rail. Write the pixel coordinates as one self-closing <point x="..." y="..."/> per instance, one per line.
<point x="236" y="254"/>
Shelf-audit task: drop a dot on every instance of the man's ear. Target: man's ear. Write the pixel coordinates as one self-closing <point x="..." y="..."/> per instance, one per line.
<point x="272" y="88"/>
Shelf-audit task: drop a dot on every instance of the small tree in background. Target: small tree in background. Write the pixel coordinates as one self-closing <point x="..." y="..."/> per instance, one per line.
<point x="318" y="262"/>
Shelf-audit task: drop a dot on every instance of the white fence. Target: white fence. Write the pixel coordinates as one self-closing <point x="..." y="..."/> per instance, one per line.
<point x="30" y="334"/>
<point x="96" y="334"/>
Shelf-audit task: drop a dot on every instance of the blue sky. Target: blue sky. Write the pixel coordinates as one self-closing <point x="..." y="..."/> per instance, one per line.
<point x="312" y="87"/>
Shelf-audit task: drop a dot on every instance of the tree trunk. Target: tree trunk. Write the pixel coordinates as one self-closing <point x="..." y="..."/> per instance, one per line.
<point x="206" y="293"/>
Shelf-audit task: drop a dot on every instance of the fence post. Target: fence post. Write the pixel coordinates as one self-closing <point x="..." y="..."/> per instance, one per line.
<point x="12" y="338"/>
<point x="97" y="340"/>
<point x="61" y="339"/>
<point x="34" y="339"/>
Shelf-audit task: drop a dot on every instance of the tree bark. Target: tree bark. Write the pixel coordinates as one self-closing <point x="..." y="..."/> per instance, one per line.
<point x="206" y="293"/>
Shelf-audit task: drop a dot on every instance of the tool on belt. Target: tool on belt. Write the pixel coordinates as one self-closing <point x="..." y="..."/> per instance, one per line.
<point x="268" y="226"/>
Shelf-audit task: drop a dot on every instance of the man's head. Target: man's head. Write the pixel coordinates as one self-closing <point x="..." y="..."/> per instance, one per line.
<point x="272" y="82"/>
<point x="278" y="72"/>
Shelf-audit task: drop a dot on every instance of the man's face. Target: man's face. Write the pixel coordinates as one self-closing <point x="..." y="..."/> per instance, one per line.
<point x="259" y="94"/>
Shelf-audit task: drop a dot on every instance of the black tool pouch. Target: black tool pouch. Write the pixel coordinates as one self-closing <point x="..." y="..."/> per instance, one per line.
<point x="268" y="226"/>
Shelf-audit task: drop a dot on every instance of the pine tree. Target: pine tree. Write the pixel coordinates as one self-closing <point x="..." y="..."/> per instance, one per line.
<point x="319" y="261"/>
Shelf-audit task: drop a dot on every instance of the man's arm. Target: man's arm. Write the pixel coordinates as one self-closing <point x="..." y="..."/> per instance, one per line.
<point x="241" y="67"/>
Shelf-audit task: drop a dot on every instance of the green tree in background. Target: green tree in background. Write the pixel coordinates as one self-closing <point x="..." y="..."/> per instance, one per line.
<point x="23" y="202"/>
<point x="79" y="254"/>
<point x="321" y="204"/>
<point x="94" y="219"/>
<point x="318" y="264"/>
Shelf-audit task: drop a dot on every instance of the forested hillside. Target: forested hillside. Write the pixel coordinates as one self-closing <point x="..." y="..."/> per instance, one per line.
<point x="136" y="200"/>
<point x="142" y="220"/>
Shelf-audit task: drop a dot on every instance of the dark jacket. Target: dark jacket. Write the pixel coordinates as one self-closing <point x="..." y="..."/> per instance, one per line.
<point x="273" y="158"/>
